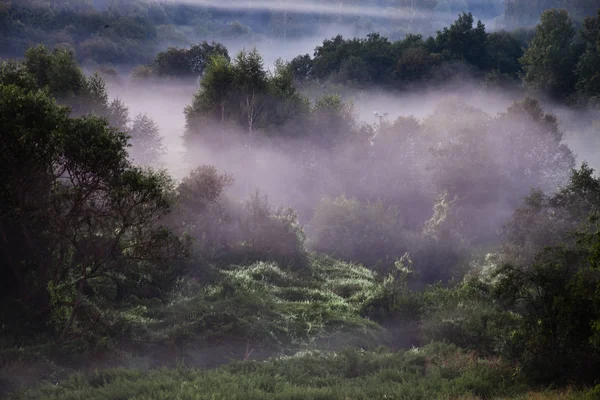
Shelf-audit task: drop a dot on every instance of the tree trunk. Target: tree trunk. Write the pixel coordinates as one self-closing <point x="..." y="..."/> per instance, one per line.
<point x="69" y="324"/>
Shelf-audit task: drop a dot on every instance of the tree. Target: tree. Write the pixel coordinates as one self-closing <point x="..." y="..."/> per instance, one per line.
<point x="332" y="121"/>
<point x="146" y="142"/>
<point x="302" y="68"/>
<point x="463" y="40"/>
<point x="588" y="83"/>
<point x="214" y="102"/>
<point x="118" y="115"/>
<point x="503" y="51"/>
<point x="173" y="62"/>
<point x="182" y="63"/>
<point x="76" y="216"/>
<point x="550" y="59"/>
<point x="250" y="80"/>
<point x="269" y="234"/>
<point x="548" y="220"/>
<point x="199" y="55"/>
<point x="202" y="212"/>
<point x="539" y="156"/>
<point x="58" y="71"/>
<point x="286" y="109"/>
<point x="557" y="298"/>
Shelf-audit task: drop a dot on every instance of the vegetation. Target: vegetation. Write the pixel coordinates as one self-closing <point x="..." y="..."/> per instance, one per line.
<point x="454" y="256"/>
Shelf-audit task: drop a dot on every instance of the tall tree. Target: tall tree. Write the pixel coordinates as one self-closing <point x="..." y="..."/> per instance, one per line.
<point x="250" y="79"/>
<point x="464" y="41"/>
<point x="75" y="215"/>
<point x="550" y="59"/>
<point x="588" y="73"/>
<point x="147" y="147"/>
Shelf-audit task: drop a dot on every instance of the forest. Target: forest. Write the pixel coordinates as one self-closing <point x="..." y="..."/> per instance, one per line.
<point x="350" y="199"/>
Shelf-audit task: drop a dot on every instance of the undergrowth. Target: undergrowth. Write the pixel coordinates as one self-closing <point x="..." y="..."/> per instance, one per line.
<point x="247" y="312"/>
<point x="435" y="371"/>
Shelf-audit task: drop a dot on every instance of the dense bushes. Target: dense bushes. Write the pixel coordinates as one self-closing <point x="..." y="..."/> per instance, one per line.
<point x="436" y="371"/>
<point x="226" y="233"/>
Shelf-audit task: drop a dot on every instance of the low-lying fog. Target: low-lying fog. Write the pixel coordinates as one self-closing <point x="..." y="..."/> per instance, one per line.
<point x="165" y="102"/>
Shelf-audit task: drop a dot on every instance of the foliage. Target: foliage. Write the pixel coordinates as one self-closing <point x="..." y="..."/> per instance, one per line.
<point x="588" y="83"/>
<point x="550" y="58"/>
<point x="557" y="297"/>
<point x="175" y="62"/>
<point x="58" y="71"/>
<point x="77" y="217"/>
<point x="201" y="212"/>
<point x="462" y="40"/>
<point x="146" y="142"/>
<point x="270" y="234"/>
<point x="435" y="371"/>
<point x="105" y="258"/>
<point x="241" y="93"/>
<point x="555" y="292"/>
<point x="270" y="308"/>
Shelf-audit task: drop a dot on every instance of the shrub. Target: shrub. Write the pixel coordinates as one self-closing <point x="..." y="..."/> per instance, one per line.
<point x="270" y="234"/>
<point x="367" y="233"/>
<point x="436" y="371"/>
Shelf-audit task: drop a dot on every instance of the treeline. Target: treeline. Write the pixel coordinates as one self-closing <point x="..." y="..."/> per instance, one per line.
<point x="463" y="50"/>
<point x="128" y="32"/>
<point x="557" y="58"/>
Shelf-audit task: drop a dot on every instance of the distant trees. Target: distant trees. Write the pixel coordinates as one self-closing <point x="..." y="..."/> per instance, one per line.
<point x="375" y="60"/>
<point x="182" y="63"/>
<point x="556" y="61"/>
<point x="357" y="60"/>
<point x="463" y="41"/>
<point x="242" y="93"/>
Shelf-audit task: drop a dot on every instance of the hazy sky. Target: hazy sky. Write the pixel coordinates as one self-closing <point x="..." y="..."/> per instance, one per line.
<point x="309" y="6"/>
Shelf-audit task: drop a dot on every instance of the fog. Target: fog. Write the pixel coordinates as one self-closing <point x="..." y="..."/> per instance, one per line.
<point x="325" y="20"/>
<point x="313" y="7"/>
<point x="298" y="172"/>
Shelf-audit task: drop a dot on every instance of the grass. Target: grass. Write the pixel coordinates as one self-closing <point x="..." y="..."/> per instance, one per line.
<point x="435" y="371"/>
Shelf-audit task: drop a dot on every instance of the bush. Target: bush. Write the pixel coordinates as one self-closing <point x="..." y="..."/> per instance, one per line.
<point x="270" y="235"/>
<point x="367" y="233"/>
<point x="261" y="306"/>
